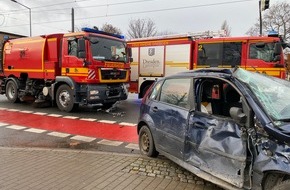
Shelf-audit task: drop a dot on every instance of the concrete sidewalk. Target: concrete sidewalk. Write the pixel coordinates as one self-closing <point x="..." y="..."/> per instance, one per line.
<point x="38" y="169"/>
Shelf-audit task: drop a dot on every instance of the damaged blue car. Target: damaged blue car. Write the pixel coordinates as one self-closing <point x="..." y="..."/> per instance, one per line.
<point x="228" y="126"/>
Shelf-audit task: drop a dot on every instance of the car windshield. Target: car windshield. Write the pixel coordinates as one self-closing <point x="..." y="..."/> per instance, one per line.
<point x="107" y="49"/>
<point x="271" y="92"/>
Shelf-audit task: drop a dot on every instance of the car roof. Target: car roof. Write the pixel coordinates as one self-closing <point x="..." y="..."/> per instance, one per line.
<point x="212" y="71"/>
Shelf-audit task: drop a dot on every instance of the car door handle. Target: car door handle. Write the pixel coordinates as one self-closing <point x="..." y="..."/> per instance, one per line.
<point x="155" y="109"/>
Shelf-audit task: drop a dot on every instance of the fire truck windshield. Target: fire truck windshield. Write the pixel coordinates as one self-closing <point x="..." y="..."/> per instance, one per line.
<point x="108" y="50"/>
<point x="263" y="51"/>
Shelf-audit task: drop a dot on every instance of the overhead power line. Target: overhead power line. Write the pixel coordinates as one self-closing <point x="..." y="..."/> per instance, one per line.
<point x="102" y="5"/>
<point x="142" y="12"/>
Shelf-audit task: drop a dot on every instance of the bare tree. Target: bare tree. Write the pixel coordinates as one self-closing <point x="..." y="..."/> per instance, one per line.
<point x="226" y="28"/>
<point x="254" y="30"/>
<point x="140" y="28"/>
<point x="111" y="29"/>
<point x="277" y="18"/>
<point x="164" y="33"/>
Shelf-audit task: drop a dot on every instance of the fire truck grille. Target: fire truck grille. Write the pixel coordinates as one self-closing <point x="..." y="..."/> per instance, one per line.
<point x="113" y="74"/>
<point x="113" y="92"/>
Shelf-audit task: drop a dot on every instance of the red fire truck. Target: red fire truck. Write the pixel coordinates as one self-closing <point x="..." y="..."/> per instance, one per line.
<point x="156" y="57"/>
<point x="88" y="67"/>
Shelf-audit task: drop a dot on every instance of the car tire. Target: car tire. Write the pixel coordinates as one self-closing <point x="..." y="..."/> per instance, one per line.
<point x="146" y="142"/>
<point x="12" y="92"/>
<point x="64" y="99"/>
<point x="283" y="185"/>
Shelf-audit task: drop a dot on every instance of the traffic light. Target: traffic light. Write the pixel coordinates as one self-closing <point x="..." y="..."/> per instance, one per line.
<point x="265" y="4"/>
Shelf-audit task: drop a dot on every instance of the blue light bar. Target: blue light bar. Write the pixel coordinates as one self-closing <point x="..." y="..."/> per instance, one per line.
<point x="273" y="33"/>
<point x="86" y="29"/>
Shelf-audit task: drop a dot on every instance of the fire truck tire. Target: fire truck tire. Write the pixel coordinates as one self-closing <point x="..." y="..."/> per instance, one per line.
<point x="12" y="92"/>
<point x="64" y="99"/>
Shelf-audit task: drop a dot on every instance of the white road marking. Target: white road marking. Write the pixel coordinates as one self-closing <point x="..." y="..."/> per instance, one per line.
<point x="33" y="130"/>
<point x="111" y="143"/>
<point x="15" y="110"/>
<point x="88" y="119"/>
<point x="54" y="115"/>
<point x="3" y="124"/>
<point x="16" y="127"/>
<point x="127" y="124"/>
<point x="107" y="121"/>
<point x="26" y="111"/>
<point x="58" y="134"/>
<point x="83" y="138"/>
<point x="70" y="117"/>
<point x="133" y="146"/>
<point x="64" y="135"/>
<point x="39" y="113"/>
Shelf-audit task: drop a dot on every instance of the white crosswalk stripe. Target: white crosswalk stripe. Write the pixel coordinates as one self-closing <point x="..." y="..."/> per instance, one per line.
<point x="83" y="138"/>
<point x="110" y="143"/>
<point x="33" y="130"/>
<point x="16" y="127"/>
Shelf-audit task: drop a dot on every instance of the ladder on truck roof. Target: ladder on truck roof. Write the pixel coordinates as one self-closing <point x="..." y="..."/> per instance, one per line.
<point x="193" y="35"/>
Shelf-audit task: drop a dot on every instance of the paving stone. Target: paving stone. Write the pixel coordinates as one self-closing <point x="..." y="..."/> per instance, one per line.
<point x="29" y="168"/>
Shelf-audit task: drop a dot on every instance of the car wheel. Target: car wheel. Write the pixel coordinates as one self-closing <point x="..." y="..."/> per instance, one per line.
<point x="284" y="185"/>
<point x="146" y="142"/>
<point x="12" y="91"/>
<point x="64" y="99"/>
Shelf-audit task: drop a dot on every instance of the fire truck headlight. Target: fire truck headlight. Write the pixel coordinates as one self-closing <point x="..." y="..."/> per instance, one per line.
<point x="94" y="92"/>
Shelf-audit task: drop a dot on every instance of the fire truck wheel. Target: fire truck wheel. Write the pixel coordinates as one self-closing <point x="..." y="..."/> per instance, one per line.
<point x="12" y="91"/>
<point x="64" y="99"/>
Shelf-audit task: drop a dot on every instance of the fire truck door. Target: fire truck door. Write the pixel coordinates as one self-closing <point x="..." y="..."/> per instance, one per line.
<point x="72" y="64"/>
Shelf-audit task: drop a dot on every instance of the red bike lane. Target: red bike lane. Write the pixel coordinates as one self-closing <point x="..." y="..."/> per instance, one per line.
<point x="94" y="129"/>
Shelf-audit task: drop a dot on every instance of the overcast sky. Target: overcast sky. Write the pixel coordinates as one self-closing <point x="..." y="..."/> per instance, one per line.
<point x="175" y="16"/>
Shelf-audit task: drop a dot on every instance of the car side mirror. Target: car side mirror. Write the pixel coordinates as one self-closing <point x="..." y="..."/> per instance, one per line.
<point x="238" y="115"/>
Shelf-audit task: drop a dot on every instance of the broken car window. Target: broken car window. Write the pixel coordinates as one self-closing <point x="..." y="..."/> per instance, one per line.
<point x="272" y="93"/>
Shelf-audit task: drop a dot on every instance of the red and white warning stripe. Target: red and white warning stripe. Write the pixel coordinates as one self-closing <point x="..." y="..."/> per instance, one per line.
<point x="91" y="74"/>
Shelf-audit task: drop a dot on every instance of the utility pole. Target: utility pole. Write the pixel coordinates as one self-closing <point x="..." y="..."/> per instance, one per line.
<point x="263" y="5"/>
<point x="260" y="15"/>
<point x="72" y="20"/>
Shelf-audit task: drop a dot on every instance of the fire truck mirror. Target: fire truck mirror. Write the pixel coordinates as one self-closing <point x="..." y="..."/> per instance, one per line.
<point x="81" y="48"/>
<point x="130" y="52"/>
<point x="277" y="58"/>
<point x="277" y="49"/>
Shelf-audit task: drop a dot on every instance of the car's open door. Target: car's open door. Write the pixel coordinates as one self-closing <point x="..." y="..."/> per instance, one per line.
<point x="214" y="143"/>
